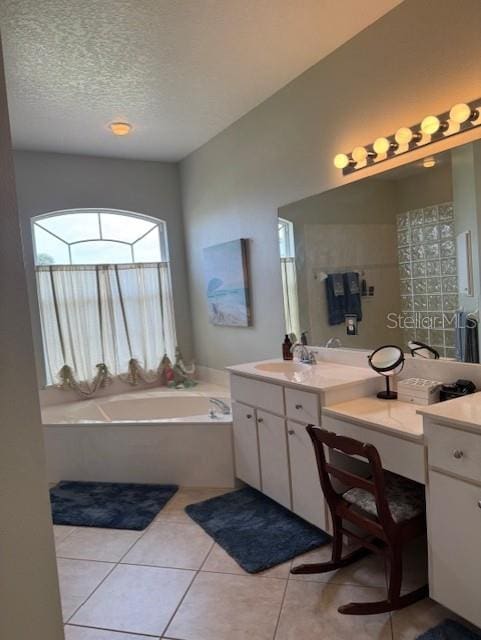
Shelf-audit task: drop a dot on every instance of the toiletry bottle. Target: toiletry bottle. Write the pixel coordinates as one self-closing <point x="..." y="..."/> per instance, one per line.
<point x="286" y="349"/>
<point x="304" y="338"/>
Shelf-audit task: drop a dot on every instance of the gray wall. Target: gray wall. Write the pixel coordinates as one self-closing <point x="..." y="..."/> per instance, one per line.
<point x="49" y="182"/>
<point x="29" y="597"/>
<point x="420" y="58"/>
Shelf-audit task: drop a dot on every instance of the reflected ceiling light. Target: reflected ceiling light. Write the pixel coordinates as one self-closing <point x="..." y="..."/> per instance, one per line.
<point x="432" y="128"/>
<point x="120" y="128"/>
<point x="429" y="162"/>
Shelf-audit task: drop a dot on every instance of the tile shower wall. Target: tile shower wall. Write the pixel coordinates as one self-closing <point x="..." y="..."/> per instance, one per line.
<point x="428" y="276"/>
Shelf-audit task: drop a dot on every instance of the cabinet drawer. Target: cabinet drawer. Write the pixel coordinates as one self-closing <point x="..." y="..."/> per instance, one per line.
<point x="454" y="522"/>
<point x="303" y="406"/>
<point x="454" y="450"/>
<point x="257" y="394"/>
<point x="400" y="456"/>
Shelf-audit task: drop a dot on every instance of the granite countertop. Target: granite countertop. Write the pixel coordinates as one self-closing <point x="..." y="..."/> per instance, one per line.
<point x="462" y="412"/>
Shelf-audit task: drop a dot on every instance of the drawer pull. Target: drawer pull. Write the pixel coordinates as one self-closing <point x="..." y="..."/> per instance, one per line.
<point x="248" y="416"/>
<point x="291" y="433"/>
<point x="458" y="454"/>
<point x="260" y="419"/>
<point x="298" y="406"/>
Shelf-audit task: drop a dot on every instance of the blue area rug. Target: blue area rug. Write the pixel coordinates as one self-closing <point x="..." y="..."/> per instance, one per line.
<point x="109" y="505"/>
<point x="254" y="530"/>
<point x="450" y="630"/>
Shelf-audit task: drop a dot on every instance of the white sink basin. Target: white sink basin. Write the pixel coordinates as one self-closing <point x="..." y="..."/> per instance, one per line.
<point x="281" y="367"/>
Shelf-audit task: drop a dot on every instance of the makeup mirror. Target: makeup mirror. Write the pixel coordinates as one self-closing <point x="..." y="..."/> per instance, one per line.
<point x="388" y="361"/>
<point x="390" y="259"/>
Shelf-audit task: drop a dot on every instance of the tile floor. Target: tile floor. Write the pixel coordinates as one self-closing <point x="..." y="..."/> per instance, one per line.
<point x="173" y="581"/>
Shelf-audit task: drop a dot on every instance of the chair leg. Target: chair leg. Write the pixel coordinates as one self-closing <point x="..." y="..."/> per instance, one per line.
<point x="394" y="600"/>
<point x="337" y="561"/>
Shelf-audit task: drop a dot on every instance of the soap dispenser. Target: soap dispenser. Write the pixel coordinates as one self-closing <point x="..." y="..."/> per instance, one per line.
<point x="286" y="349"/>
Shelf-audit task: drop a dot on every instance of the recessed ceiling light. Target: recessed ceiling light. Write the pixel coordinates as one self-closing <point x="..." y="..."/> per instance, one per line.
<point x="120" y="128"/>
<point x="429" y="162"/>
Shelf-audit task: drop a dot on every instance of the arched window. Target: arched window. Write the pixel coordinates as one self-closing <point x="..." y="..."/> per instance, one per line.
<point x="104" y="290"/>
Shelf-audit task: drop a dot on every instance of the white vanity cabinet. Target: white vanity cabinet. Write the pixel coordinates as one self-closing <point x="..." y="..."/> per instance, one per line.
<point x="272" y="449"/>
<point x="454" y="518"/>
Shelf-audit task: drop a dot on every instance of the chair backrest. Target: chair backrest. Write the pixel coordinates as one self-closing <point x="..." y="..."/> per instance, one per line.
<point x="350" y="447"/>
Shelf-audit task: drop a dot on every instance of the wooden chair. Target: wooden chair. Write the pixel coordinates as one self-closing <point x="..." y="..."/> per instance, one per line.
<point x="389" y="508"/>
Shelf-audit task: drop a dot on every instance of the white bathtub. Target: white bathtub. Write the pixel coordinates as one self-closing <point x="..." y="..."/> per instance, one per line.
<point x="155" y="435"/>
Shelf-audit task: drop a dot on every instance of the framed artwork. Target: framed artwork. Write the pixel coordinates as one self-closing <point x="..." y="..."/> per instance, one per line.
<point x="227" y="284"/>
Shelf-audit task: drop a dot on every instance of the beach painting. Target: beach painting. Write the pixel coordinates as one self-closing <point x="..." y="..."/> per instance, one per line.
<point x="227" y="284"/>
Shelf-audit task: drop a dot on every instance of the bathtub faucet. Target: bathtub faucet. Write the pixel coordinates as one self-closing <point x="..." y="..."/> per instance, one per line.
<point x="220" y="404"/>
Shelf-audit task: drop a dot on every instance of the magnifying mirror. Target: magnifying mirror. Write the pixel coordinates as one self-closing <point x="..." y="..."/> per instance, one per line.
<point x="388" y="361"/>
<point x="422" y="350"/>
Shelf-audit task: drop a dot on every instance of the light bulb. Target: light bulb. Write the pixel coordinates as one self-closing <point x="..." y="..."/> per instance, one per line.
<point x="381" y="146"/>
<point x="430" y="125"/>
<point x="453" y="127"/>
<point x="341" y="161"/>
<point x="120" y="128"/>
<point x="404" y="135"/>
<point x="460" y="113"/>
<point x="359" y="154"/>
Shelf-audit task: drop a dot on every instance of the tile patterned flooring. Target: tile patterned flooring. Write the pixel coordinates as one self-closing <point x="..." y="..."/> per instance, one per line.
<point x="172" y="581"/>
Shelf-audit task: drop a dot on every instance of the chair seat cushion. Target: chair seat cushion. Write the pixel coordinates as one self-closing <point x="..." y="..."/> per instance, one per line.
<point x="405" y="498"/>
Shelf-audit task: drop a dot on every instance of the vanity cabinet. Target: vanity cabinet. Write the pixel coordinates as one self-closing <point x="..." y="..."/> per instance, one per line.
<point x="454" y="518"/>
<point x="272" y="449"/>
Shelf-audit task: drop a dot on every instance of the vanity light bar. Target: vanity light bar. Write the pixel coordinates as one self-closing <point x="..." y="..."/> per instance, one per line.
<point x="459" y="118"/>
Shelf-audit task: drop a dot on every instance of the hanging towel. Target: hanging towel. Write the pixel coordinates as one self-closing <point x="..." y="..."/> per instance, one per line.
<point x="467" y="346"/>
<point x="336" y="298"/>
<point x="352" y="294"/>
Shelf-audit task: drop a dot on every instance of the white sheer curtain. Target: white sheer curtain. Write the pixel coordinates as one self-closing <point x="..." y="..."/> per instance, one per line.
<point x="105" y="313"/>
<point x="291" y="303"/>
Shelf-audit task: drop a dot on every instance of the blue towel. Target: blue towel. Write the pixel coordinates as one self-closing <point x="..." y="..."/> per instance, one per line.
<point x="352" y="294"/>
<point x="467" y="347"/>
<point x="336" y="298"/>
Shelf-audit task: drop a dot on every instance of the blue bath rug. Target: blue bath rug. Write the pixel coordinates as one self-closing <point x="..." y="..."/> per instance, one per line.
<point x="254" y="530"/>
<point x="449" y="630"/>
<point x="109" y="505"/>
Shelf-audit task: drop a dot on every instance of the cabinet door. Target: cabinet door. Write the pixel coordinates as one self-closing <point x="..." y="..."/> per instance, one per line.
<point x="274" y="459"/>
<point x="454" y="531"/>
<point x="246" y="445"/>
<point x="307" y="497"/>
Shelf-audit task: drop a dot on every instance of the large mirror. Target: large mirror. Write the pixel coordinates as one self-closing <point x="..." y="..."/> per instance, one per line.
<point x="390" y="259"/>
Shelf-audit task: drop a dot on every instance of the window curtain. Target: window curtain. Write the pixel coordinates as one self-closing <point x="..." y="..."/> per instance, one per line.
<point x="105" y="313"/>
<point x="289" y="289"/>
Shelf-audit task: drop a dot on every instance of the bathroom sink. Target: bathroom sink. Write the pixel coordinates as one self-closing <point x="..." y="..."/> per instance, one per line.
<point x="280" y="367"/>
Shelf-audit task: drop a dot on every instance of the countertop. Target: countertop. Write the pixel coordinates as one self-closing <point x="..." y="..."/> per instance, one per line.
<point x="463" y="412"/>
<point x="314" y="377"/>
<point x="390" y="416"/>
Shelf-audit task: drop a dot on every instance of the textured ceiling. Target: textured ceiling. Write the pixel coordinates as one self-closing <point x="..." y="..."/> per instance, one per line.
<point x="180" y="71"/>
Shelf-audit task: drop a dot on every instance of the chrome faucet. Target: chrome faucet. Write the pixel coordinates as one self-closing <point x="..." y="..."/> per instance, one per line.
<point x="333" y="343"/>
<point x="220" y="404"/>
<point x="305" y="356"/>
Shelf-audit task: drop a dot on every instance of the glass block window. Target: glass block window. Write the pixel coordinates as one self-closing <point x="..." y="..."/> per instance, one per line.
<point x="428" y="272"/>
